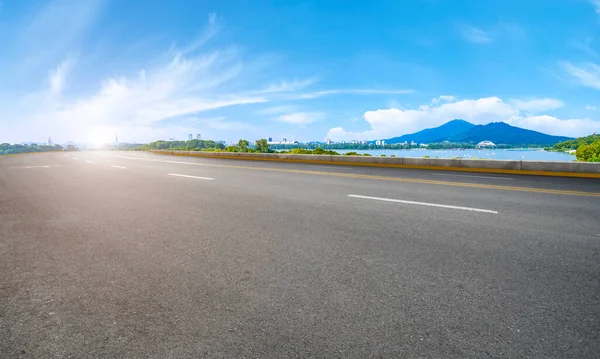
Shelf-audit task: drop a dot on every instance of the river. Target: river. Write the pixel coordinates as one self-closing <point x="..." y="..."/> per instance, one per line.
<point x="491" y="154"/>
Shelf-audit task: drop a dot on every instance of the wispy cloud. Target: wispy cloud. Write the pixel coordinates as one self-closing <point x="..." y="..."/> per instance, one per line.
<point x="587" y="74"/>
<point x="173" y="86"/>
<point x="474" y="34"/>
<point x="58" y="76"/>
<point x="444" y="98"/>
<point x="277" y="110"/>
<point x="300" y="118"/>
<point x="311" y="95"/>
<point x="591" y="108"/>
<point x="596" y="4"/>
<point x="537" y="105"/>
<point x="586" y="46"/>
<point x="288" y="86"/>
<point x="213" y="27"/>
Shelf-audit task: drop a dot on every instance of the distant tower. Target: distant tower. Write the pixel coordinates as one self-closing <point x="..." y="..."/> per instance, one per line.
<point x="198" y="137"/>
<point x="50" y="141"/>
<point x="116" y="139"/>
<point x="190" y="137"/>
<point x="270" y="139"/>
<point x="328" y="141"/>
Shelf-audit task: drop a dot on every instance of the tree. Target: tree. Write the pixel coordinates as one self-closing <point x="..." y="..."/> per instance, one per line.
<point x="262" y="146"/>
<point x="589" y="153"/>
<point x="242" y="145"/>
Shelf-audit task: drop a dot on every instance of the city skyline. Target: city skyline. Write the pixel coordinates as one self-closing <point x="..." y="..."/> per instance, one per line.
<point x="299" y="70"/>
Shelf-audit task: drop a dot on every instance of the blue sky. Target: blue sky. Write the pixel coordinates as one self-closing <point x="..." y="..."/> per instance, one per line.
<point x="303" y="70"/>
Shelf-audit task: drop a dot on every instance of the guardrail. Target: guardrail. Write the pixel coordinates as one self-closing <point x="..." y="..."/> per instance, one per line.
<point x="539" y="168"/>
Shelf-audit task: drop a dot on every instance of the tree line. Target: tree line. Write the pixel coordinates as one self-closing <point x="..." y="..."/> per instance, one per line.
<point x="8" y="149"/>
<point x="587" y="148"/>
<point x="260" y="146"/>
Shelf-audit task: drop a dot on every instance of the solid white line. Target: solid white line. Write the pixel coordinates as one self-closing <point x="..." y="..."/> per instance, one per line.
<point x="30" y="167"/>
<point x="89" y="161"/>
<point x="115" y="166"/>
<point x="424" y="204"/>
<point x="186" y="176"/>
<point x="488" y="177"/>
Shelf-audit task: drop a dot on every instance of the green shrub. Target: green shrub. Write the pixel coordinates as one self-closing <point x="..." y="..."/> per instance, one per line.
<point x="589" y="153"/>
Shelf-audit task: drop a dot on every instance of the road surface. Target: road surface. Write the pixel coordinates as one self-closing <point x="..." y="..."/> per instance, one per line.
<point x="134" y="255"/>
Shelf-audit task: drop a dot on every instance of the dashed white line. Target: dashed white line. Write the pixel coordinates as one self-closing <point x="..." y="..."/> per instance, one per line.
<point x="424" y="204"/>
<point x="187" y="176"/>
<point x="89" y="161"/>
<point x="74" y="158"/>
<point x="487" y="177"/>
<point x="115" y="166"/>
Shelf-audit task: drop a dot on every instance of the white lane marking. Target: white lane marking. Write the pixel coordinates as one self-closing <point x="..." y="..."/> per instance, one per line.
<point x="89" y="161"/>
<point x="74" y="158"/>
<point x="488" y="177"/>
<point x="30" y="167"/>
<point x="155" y="160"/>
<point x="115" y="166"/>
<point x="424" y="204"/>
<point x="186" y="176"/>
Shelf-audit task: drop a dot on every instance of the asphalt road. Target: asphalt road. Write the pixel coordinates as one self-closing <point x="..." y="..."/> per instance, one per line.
<point x="133" y="255"/>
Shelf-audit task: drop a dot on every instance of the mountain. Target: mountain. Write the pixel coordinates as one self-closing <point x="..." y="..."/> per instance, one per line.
<point x="436" y="134"/>
<point x="503" y="133"/>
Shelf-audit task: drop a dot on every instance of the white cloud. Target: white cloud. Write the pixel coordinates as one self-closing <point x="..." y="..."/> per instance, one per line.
<point x="300" y="118"/>
<point x="277" y="110"/>
<point x="537" y="105"/>
<point x="587" y="74"/>
<point x="288" y="86"/>
<point x="311" y="95"/>
<point x="591" y="108"/>
<point x="394" y="122"/>
<point x="596" y="4"/>
<point x="445" y="98"/>
<point x="58" y="76"/>
<point x="212" y="28"/>
<point x="474" y="34"/>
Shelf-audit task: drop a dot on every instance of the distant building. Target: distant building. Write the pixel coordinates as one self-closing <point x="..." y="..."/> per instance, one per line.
<point x="364" y="142"/>
<point x="50" y="141"/>
<point x="190" y="137"/>
<point x="485" y="144"/>
<point x="382" y="142"/>
<point x="328" y="141"/>
<point x="413" y="143"/>
<point x="198" y="136"/>
<point x="269" y="139"/>
<point x="116" y="139"/>
<point x="378" y="143"/>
